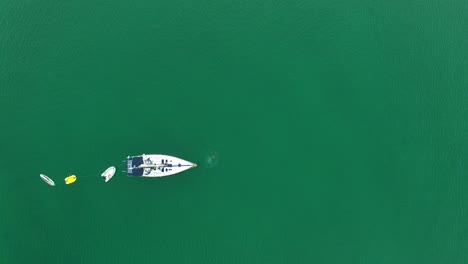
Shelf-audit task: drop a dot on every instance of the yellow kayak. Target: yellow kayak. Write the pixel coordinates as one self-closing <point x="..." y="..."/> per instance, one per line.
<point x="70" y="179"/>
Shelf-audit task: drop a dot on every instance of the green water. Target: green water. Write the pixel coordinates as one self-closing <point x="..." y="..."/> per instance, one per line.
<point x="339" y="130"/>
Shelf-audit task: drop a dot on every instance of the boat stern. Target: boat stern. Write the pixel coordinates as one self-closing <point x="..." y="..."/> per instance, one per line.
<point x="132" y="163"/>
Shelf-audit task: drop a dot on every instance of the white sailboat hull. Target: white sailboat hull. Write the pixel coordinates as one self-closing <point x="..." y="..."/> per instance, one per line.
<point x="156" y="165"/>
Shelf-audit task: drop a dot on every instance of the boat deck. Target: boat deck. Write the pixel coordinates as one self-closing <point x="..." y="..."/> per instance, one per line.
<point x="156" y="165"/>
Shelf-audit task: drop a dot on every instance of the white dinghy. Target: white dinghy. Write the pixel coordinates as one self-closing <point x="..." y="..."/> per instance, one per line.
<point x="108" y="174"/>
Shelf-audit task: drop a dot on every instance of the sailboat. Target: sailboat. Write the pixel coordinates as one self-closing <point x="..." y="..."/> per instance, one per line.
<point x="156" y="165"/>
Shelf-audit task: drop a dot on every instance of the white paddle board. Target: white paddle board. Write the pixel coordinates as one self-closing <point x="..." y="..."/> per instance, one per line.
<point x="47" y="180"/>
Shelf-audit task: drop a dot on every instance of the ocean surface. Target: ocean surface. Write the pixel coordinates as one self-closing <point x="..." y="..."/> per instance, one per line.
<point x="326" y="131"/>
